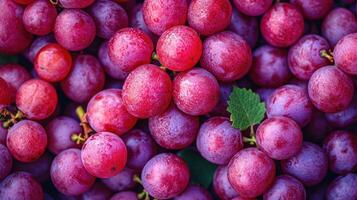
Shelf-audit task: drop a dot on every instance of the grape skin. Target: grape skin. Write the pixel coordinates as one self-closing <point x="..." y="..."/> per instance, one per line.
<point x="221" y="107"/>
<point x="76" y="3"/>
<point x="27" y="141"/>
<point x="68" y="174"/>
<point x="343" y="187"/>
<point x="37" y="45"/>
<point x="136" y="20"/>
<point x="221" y="185"/>
<point x="345" y="117"/>
<point x="15" y="75"/>
<point x="127" y="195"/>
<point x="109" y="67"/>
<point x="3" y="134"/>
<point x="285" y="187"/>
<point x="345" y="55"/>
<point x="124" y="180"/>
<point x="313" y="9"/>
<point x="253" y="8"/>
<point x="97" y="192"/>
<point x="5" y="90"/>
<point x="5" y="162"/>
<point x="194" y="192"/>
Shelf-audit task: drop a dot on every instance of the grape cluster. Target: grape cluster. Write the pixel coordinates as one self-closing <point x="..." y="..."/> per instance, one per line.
<point x="102" y="99"/>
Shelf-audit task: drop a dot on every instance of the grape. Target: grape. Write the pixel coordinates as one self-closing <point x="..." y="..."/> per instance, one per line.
<point x="147" y="91"/>
<point x="279" y="137"/>
<point x="251" y="172"/>
<point x="343" y="188"/>
<point x="304" y="57"/>
<point x="5" y="162"/>
<point x="227" y="56"/>
<point x="270" y="67"/>
<point x="68" y="174"/>
<point x="221" y="107"/>
<point x="5" y="93"/>
<point x="14" y="38"/>
<point x="341" y="149"/>
<point x="174" y="129"/>
<point x="141" y="148"/>
<point x="194" y="192"/>
<point x="330" y="90"/>
<point x="209" y="16"/>
<point x="104" y="155"/>
<point x="127" y="195"/>
<point x="37" y="99"/>
<point x="59" y="132"/>
<point x="76" y="3"/>
<point x="196" y="92"/>
<point x="26" y="140"/>
<point x="3" y="134"/>
<point x="265" y="93"/>
<point x="74" y="29"/>
<point x="20" y="185"/>
<point x="291" y="101"/>
<point x="313" y="9"/>
<point x="53" y="63"/>
<point x="242" y="198"/>
<point x="85" y="80"/>
<point x="109" y="67"/>
<point x="39" y="169"/>
<point x="345" y="55"/>
<point x="309" y="165"/>
<point x="97" y="192"/>
<point x="221" y="185"/>
<point x="136" y="20"/>
<point x="106" y="112"/>
<point x="165" y="176"/>
<point x="245" y="26"/>
<point x="39" y="17"/>
<point x="345" y="117"/>
<point x="130" y="48"/>
<point x="15" y="75"/>
<point x="179" y="48"/>
<point x="37" y="45"/>
<point x="160" y="15"/>
<point x="318" y="127"/>
<point x="285" y="187"/>
<point x="218" y="141"/>
<point x="282" y="25"/>
<point x="24" y="2"/>
<point x="338" y="23"/>
<point x="124" y="180"/>
<point x="108" y="17"/>
<point x="253" y="8"/>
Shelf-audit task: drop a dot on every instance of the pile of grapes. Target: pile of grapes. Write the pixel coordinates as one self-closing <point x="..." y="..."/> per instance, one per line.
<point x="178" y="99"/>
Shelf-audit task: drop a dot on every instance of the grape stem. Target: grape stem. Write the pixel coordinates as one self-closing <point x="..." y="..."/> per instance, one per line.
<point x="251" y="140"/>
<point x="9" y="119"/>
<point x="155" y="57"/>
<point x="87" y="130"/>
<point x="328" y="54"/>
<point x="137" y="179"/>
<point x="144" y="195"/>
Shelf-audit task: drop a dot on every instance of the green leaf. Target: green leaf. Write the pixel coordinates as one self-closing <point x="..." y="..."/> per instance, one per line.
<point x="201" y="170"/>
<point x="245" y="107"/>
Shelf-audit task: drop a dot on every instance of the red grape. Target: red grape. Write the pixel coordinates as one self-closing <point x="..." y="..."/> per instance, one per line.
<point x="251" y="172"/>
<point x="174" y="129"/>
<point x="282" y="25"/>
<point x="341" y="149"/>
<point x="5" y="162"/>
<point x="24" y="2"/>
<point x="330" y="90"/>
<point x="194" y="192"/>
<point x="27" y="141"/>
<point x="130" y="48"/>
<point x="165" y="176"/>
<point x="147" y="91"/>
<point x="74" y="29"/>
<point x="179" y="48"/>
<point x="106" y="112"/>
<point x="209" y="16"/>
<point x="313" y="9"/>
<point x="85" y="80"/>
<point x="108" y="17"/>
<point x="309" y="165"/>
<point x="21" y="185"/>
<point x="196" y="92"/>
<point x="68" y="174"/>
<point x="285" y="187"/>
<point x="227" y="56"/>
<point x="304" y="57"/>
<point x="59" y="132"/>
<point x="6" y="97"/>
<point x="104" y="155"/>
<point x="160" y="15"/>
<point x="124" y="180"/>
<point x="345" y="54"/>
<point x="76" y="3"/>
<point x="13" y="38"/>
<point x="141" y="148"/>
<point x="37" y="99"/>
<point x="39" y="17"/>
<point x="221" y="185"/>
<point x="127" y="195"/>
<point x="253" y="8"/>
<point x="53" y="63"/>
<point x="37" y="45"/>
<point x="218" y="141"/>
<point x="270" y="67"/>
<point x="97" y="192"/>
<point x="342" y="188"/>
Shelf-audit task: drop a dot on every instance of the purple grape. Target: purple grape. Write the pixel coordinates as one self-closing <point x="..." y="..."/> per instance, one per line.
<point x="345" y="55"/>
<point x="253" y="8"/>
<point x="341" y="149"/>
<point x="286" y="187"/>
<point x="318" y="127"/>
<point x="309" y="165"/>
<point x="221" y="107"/>
<point x="75" y="3"/>
<point x="5" y="162"/>
<point x="345" y="117"/>
<point x="97" y="192"/>
<point x="221" y="185"/>
<point x="127" y="195"/>
<point x="270" y="67"/>
<point x="251" y="172"/>
<point x="343" y="188"/>
<point x="194" y="192"/>
<point x="59" y="132"/>
<point x="3" y="134"/>
<point x="124" y="180"/>
<point x="174" y="129"/>
<point x="136" y="20"/>
<point x="37" y="45"/>
<point x="265" y="93"/>
<point x="141" y="148"/>
<point x="20" y="185"/>
<point x="313" y="9"/>
<point x="68" y="174"/>
<point x="218" y="141"/>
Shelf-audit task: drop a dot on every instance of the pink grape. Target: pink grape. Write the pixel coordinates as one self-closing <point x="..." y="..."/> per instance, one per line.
<point x="221" y="185"/>
<point x="343" y="187"/>
<point x="109" y="67"/>
<point x="253" y="8"/>
<point x="76" y="3"/>
<point x="5" y="162"/>
<point x="313" y="9"/>
<point x="124" y="180"/>
<point x="345" y="55"/>
<point x="37" y="45"/>
<point x="285" y="187"/>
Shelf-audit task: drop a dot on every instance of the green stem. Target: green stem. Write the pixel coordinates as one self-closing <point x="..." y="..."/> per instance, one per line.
<point x="154" y="56"/>
<point x="137" y="179"/>
<point x="87" y="130"/>
<point x="328" y="54"/>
